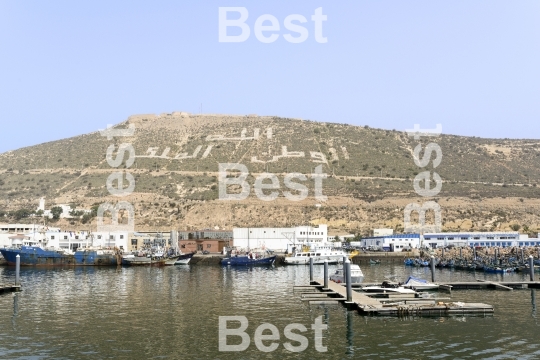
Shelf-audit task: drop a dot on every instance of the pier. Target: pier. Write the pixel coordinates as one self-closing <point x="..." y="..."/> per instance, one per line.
<point x="394" y="305"/>
<point x="323" y="291"/>
<point x="9" y="288"/>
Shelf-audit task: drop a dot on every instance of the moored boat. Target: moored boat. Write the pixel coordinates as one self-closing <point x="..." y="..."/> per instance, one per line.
<point x="419" y="284"/>
<point x="149" y="260"/>
<point x="184" y="259"/>
<point x="252" y="257"/>
<point x="357" y="276"/>
<point x="39" y="256"/>
<point x="332" y="255"/>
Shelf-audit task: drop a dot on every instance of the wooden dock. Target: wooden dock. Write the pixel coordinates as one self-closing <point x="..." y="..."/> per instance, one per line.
<point x="480" y="284"/>
<point x="9" y="288"/>
<point x="317" y="295"/>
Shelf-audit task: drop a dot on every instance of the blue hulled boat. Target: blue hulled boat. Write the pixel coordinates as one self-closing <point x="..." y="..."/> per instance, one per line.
<point x="244" y="260"/>
<point x="253" y="257"/>
<point x="37" y="256"/>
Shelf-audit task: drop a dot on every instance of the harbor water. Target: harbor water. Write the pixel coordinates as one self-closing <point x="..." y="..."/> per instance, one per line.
<point x="173" y="313"/>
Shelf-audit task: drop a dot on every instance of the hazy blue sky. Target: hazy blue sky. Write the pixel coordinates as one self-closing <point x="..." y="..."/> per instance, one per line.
<point x="71" y="67"/>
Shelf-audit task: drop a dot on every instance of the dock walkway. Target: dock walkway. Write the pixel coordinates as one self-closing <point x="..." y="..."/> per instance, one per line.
<point x="401" y="307"/>
<point x="9" y="288"/>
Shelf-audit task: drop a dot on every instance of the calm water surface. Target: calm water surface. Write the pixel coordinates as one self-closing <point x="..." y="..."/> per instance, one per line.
<point x="172" y="313"/>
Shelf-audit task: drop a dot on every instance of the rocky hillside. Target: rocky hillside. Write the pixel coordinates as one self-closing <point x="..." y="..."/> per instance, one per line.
<point x="487" y="183"/>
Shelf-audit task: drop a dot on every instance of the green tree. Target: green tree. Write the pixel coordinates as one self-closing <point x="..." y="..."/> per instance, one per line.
<point x="515" y="227"/>
<point x="21" y="213"/>
<point x="56" y="212"/>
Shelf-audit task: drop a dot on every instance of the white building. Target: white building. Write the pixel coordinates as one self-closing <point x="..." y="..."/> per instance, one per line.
<point x="66" y="209"/>
<point x="395" y="242"/>
<point x="482" y="239"/>
<point x="77" y="239"/>
<point x="28" y="230"/>
<point x="280" y="239"/>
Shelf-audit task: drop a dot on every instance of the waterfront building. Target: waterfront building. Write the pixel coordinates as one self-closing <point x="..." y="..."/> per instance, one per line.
<point x="393" y="242"/>
<point x="22" y="230"/>
<point x="282" y="239"/>
<point x="77" y="239"/>
<point x="477" y="239"/>
<point x="205" y="234"/>
<point x="399" y="242"/>
<point x="210" y="245"/>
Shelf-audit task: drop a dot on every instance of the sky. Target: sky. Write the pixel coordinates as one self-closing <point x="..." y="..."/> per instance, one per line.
<point x="72" y="67"/>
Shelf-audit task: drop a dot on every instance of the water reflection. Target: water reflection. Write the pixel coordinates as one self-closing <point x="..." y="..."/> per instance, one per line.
<point x="350" y="333"/>
<point x="533" y="302"/>
<point x="15" y="311"/>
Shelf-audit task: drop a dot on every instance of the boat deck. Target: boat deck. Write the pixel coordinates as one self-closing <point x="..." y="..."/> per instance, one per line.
<point x="9" y="288"/>
<point x="367" y="305"/>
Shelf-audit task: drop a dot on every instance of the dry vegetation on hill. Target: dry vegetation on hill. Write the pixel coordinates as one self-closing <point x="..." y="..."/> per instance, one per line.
<point x="488" y="184"/>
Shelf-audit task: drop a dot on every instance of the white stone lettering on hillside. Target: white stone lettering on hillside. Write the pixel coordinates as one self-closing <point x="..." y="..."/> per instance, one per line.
<point x="181" y="156"/>
<point x="242" y="136"/>
<point x="345" y="152"/>
<point x="334" y="155"/>
<point x="318" y="157"/>
<point x="207" y="151"/>
<point x="284" y="154"/>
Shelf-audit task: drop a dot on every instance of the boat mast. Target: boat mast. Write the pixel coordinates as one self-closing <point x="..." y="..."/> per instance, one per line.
<point x="248" y="239"/>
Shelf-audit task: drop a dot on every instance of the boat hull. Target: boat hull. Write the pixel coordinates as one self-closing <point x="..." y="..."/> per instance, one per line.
<point x="144" y="261"/>
<point x="246" y="261"/>
<point x="184" y="259"/>
<point x="34" y="256"/>
<point x="297" y="260"/>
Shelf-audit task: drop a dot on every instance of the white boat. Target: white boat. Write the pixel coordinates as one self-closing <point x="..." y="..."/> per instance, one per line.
<point x="333" y="255"/>
<point x="419" y="284"/>
<point x="356" y="275"/>
<point x="184" y="259"/>
<point x="387" y="288"/>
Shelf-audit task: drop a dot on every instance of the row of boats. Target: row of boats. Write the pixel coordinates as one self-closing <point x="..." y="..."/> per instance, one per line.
<point x="302" y="257"/>
<point x="37" y="255"/>
<point x="486" y="264"/>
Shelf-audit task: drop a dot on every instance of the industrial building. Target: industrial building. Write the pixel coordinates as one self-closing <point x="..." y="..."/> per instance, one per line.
<point x="394" y="242"/>
<point x="281" y="239"/>
<point x="398" y="242"/>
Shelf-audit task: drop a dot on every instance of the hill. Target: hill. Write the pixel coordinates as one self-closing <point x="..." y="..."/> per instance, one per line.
<point x="487" y="183"/>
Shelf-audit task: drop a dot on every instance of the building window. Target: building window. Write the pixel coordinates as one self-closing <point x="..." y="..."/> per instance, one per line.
<point x="65" y="237"/>
<point x="52" y="237"/>
<point x="133" y="241"/>
<point x="121" y="236"/>
<point x="99" y="237"/>
<point x="111" y="237"/>
<point x="76" y="237"/>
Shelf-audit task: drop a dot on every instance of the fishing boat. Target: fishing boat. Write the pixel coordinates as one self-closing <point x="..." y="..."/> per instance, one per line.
<point x="41" y="251"/>
<point x="332" y="255"/>
<point x="409" y="262"/>
<point x="39" y="256"/>
<point x="184" y="259"/>
<point x="251" y="258"/>
<point x="419" y="284"/>
<point x="146" y="260"/>
<point x="154" y="253"/>
<point x="356" y="275"/>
